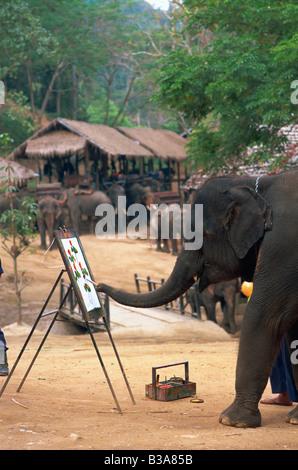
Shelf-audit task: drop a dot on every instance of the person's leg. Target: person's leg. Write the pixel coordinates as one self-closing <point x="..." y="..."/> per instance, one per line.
<point x="288" y="371"/>
<point x="281" y="380"/>
<point x="3" y="355"/>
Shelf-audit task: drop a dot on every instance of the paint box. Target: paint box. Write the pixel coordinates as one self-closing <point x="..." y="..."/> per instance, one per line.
<point x="172" y="389"/>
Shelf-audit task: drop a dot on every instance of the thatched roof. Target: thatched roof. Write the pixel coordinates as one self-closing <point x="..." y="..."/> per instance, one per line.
<point x="19" y="173"/>
<point x="63" y="137"/>
<point x="161" y="142"/>
<point x="109" y="140"/>
<point x="56" y="143"/>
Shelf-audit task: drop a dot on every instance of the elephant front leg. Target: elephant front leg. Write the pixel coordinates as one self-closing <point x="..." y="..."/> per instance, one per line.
<point x="228" y="309"/>
<point x="255" y="358"/>
<point x="210" y="307"/>
<point x="292" y="417"/>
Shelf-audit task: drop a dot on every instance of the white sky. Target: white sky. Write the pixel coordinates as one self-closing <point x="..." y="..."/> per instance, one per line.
<point x="162" y="4"/>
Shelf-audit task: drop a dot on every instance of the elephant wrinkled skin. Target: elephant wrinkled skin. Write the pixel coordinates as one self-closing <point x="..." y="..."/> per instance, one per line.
<point x="250" y="231"/>
<point x="223" y="292"/>
<point x="83" y="204"/>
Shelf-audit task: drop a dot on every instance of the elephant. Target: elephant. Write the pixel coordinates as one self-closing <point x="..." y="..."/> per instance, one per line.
<point x="51" y="217"/>
<point x="114" y="192"/>
<point x="17" y="199"/>
<point x="84" y="204"/>
<point x="250" y="227"/>
<point x="139" y="194"/>
<point x="173" y="217"/>
<point x="223" y="292"/>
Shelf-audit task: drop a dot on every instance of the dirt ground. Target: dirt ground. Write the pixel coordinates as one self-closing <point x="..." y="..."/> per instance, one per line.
<point x="66" y="403"/>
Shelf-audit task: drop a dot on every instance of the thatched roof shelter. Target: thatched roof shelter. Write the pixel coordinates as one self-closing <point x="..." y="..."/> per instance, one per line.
<point x="19" y="173"/>
<point x="64" y="137"/>
<point x="108" y="139"/>
<point x="121" y="150"/>
<point x="163" y="143"/>
<point x="61" y="143"/>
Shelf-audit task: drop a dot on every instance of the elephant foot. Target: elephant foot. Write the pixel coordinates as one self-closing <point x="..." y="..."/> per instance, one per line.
<point x="292" y="417"/>
<point x="240" y="417"/>
<point x="231" y="329"/>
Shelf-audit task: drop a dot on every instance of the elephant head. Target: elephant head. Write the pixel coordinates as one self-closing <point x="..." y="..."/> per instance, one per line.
<point x="235" y="220"/>
<point x="51" y="215"/>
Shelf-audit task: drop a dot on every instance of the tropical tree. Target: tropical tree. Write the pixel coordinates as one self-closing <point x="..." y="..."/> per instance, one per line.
<point x="237" y="89"/>
<point x="17" y="225"/>
<point x="24" y="41"/>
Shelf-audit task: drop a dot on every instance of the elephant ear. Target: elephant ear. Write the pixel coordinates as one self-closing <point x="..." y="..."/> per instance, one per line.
<point x="248" y="217"/>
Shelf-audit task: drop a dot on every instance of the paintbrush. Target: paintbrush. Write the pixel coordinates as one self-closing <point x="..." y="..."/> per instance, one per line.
<point x="92" y="282"/>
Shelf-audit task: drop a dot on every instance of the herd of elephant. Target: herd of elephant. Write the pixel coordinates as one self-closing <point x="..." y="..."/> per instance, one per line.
<point x="73" y="204"/>
<point x="52" y="214"/>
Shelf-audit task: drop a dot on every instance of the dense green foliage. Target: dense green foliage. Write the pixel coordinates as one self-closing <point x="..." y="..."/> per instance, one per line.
<point x="89" y="60"/>
<point x="227" y="69"/>
<point x="237" y="91"/>
<point x="17" y="224"/>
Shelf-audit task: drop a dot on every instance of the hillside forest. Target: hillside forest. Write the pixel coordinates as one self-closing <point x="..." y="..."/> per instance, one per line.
<point x="227" y="70"/>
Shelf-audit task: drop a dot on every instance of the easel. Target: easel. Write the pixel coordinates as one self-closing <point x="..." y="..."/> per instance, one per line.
<point x="56" y="313"/>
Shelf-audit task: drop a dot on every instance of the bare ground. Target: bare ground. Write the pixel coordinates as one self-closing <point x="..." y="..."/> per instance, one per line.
<point x="66" y="403"/>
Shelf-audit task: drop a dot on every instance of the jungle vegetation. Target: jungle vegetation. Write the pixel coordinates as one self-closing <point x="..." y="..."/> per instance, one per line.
<point x="226" y="69"/>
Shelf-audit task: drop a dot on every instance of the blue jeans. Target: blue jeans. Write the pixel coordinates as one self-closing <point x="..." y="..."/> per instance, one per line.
<point x="2" y="338"/>
<point x="281" y="377"/>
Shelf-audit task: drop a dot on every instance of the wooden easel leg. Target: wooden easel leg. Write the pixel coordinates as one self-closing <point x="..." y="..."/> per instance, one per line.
<point x="56" y="312"/>
<point x="31" y="332"/>
<point x="101" y="362"/>
<point x="44" y="339"/>
<point x="119" y="361"/>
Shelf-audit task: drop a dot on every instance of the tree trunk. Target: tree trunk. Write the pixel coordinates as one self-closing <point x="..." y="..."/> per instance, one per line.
<point x="49" y="91"/>
<point x="75" y="91"/>
<point x="30" y="85"/>
<point x="17" y="291"/>
<point x="124" y="101"/>
<point x="108" y="100"/>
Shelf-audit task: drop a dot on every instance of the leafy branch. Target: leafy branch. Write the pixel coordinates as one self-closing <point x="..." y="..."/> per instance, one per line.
<point x="17" y="224"/>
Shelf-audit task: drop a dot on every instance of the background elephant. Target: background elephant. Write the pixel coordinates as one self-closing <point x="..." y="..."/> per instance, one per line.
<point x="223" y="292"/>
<point x="172" y="216"/>
<point x="139" y="194"/>
<point x="114" y="192"/>
<point x="51" y="217"/>
<point x="250" y="231"/>
<point x="17" y="199"/>
<point x="83" y="204"/>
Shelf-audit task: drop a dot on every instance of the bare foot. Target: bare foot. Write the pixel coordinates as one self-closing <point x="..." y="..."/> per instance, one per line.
<point x="281" y="399"/>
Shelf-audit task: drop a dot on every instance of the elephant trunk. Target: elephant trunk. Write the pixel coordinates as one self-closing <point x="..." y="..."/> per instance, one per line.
<point x="188" y="265"/>
<point x="50" y="225"/>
